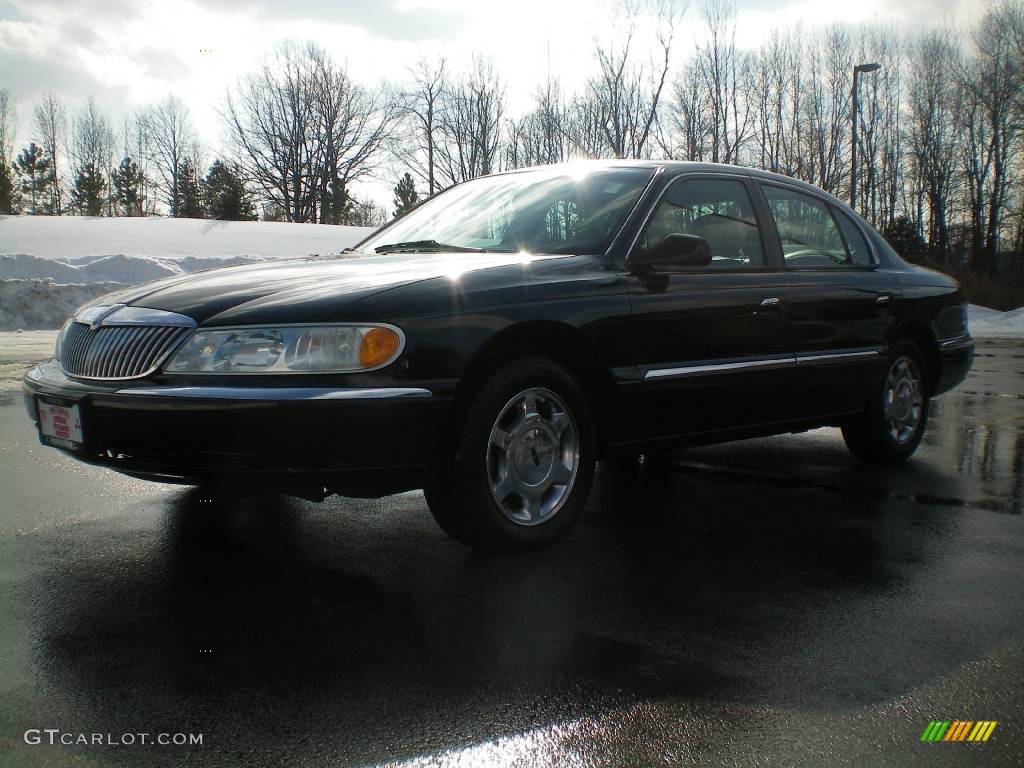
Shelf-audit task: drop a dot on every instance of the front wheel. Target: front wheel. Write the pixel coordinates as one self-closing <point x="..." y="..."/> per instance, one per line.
<point x="518" y="474"/>
<point x="892" y="424"/>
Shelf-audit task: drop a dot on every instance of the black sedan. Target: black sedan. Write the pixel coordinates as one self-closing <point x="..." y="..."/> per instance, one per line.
<point x="494" y="343"/>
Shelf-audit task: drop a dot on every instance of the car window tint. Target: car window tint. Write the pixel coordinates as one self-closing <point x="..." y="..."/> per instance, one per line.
<point x="856" y="245"/>
<point x="719" y="210"/>
<point x="809" y="235"/>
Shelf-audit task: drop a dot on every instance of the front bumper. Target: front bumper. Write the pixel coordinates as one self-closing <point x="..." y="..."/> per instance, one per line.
<point x="362" y="441"/>
<point x="957" y="356"/>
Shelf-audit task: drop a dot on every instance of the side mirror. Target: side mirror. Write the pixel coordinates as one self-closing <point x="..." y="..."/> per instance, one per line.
<point x="675" y="250"/>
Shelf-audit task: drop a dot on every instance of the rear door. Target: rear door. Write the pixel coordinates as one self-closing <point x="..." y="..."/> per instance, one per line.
<point x="840" y="304"/>
<point x="708" y="344"/>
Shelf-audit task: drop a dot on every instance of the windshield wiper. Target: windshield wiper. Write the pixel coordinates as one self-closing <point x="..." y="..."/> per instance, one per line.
<point x="424" y="245"/>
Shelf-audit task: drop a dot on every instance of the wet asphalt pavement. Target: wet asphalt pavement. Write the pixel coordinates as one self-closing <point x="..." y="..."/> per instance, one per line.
<point x="761" y="603"/>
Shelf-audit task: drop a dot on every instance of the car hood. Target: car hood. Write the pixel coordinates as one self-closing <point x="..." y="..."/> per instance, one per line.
<point x="314" y="289"/>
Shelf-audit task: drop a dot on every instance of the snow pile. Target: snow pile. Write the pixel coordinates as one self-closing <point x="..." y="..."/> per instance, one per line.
<point x="49" y="265"/>
<point x="68" y="238"/>
<point x="983" y="322"/>
<point x="43" y="304"/>
<point x="112" y="269"/>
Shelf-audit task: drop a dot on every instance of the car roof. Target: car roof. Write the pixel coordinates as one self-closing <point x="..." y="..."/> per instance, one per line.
<point x="688" y="166"/>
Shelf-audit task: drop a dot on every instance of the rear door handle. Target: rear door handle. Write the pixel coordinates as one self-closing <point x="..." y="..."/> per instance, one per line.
<point x="883" y="298"/>
<point x="771" y="302"/>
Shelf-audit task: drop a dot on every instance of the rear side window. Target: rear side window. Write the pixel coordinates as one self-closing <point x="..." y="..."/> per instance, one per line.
<point x="719" y="210"/>
<point x="810" y="236"/>
<point x="856" y="245"/>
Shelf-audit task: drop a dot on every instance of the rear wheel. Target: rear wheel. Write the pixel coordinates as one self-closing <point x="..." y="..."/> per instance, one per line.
<point x="893" y="422"/>
<point x="518" y="474"/>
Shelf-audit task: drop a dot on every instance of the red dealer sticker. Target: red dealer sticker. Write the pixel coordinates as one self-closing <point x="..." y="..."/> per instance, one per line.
<point x="63" y="426"/>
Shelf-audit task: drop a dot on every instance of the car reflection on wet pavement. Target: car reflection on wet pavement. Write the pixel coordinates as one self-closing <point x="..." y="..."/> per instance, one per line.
<point x="767" y="602"/>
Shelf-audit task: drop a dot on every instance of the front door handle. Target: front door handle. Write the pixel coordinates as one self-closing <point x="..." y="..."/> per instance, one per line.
<point x="771" y="302"/>
<point x="883" y="298"/>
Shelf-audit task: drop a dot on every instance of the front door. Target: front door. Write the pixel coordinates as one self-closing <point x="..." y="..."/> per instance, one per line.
<point x="709" y="344"/>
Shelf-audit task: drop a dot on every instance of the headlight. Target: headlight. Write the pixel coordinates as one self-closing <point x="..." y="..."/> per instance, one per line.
<point x="289" y="349"/>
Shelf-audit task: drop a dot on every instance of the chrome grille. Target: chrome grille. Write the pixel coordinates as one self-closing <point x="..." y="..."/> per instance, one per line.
<point x="116" y="351"/>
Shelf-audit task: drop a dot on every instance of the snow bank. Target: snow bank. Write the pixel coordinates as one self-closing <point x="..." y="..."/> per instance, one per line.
<point x="68" y="238"/>
<point x="42" y="304"/>
<point x="49" y="265"/>
<point x="985" y="323"/>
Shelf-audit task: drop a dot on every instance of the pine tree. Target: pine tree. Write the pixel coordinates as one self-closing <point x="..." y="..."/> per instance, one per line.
<point x="188" y="192"/>
<point x="33" y="166"/>
<point x="226" y="195"/>
<point x="127" y="180"/>
<point x="406" y="196"/>
<point x="336" y="203"/>
<point x="903" y="236"/>
<point x="6" y="189"/>
<point x="89" y="193"/>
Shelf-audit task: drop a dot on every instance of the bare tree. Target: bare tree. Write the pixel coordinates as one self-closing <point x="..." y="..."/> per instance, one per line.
<point x="933" y="133"/>
<point x="827" y="111"/>
<point x="303" y="131"/>
<point x="51" y="125"/>
<point x="169" y="141"/>
<point x="779" y="104"/>
<point x="421" y="104"/>
<point x="991" y="81"/>
<point x="271" y="117"/>
<point x="469" y="125"/>
<point x="688" y="128"/>
<point x="8" y="126"/>
<point x="92" y="146"/>
<point x="725" y="72"/>
<point x="879" y="152"/>
<point x="352" y="124"/>
<point x="541" y="136"/>
<point x="625" y="94"/>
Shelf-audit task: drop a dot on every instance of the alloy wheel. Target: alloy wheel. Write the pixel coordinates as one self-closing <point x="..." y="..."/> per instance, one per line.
<point x="904" y="401"/>
<point x="533" y="454"/>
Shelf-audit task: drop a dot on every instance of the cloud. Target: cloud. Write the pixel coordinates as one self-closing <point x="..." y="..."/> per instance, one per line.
<point x="384" y="19"/>
<point x="63" y="75"/>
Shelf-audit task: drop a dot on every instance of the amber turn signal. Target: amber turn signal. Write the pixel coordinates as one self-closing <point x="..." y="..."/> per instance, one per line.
<point x="378" y="347"/>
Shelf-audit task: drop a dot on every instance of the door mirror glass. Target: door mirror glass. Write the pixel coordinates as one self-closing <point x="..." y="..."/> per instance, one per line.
<point x="674" y="250"/>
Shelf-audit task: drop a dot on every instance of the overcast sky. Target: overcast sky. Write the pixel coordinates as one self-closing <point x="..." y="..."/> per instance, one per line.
<point x="128" y="53"/>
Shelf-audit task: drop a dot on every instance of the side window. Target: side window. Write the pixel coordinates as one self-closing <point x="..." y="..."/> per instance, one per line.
<point x="856" y="245"/>
<point x="719" y="210"/>
<point x="809" y="234"/>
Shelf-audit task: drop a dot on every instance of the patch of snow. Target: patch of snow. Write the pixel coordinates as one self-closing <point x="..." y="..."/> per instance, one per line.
<point x="44" y="304"/>
<point x="24" y="266"/>
<point x="72" y="237"/>
<point x="50" y="265"/>
<point x="986" y="323"/>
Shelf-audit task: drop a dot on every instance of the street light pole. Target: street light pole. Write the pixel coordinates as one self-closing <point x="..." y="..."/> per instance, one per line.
<point x="872" y="67"/>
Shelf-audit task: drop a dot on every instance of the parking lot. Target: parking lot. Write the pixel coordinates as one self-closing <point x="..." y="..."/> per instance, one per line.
<point x="761" y="603"/>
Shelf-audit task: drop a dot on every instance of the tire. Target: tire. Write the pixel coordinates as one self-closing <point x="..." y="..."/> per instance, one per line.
<point x="884" y="434"/>
<point x="517" y="473"/>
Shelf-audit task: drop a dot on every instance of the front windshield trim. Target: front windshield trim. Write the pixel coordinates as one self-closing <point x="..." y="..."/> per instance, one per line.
<point x="653" y="169"/>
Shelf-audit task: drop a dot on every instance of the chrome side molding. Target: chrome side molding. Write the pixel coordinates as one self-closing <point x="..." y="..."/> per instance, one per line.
<point x="705" y="369"/>
<point x="819" y="358"/>
<point x="709" y="368"/>
<point x="279" y="393"/>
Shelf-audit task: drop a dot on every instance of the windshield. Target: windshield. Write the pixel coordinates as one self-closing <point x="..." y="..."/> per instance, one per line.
<point x="544" y="211"/>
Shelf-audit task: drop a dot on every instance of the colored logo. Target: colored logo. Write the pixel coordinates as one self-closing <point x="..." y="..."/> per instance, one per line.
<point x="958" y="730"/>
